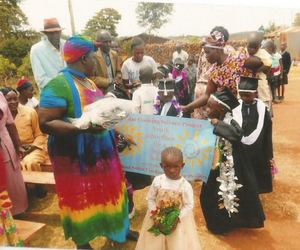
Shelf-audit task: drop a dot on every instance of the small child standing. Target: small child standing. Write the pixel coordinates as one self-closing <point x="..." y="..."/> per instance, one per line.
<point x="254" y="49"/>
<point x="170" y="195"/>
<point x="181" y="83"/>
<point x="229" y="199"/>
<point x="256" y="123"/>
<point x="166" y="103"/>
<point x="191" y="71"/>
<point x="144" y="96"/>
<point x="276" y="72"/>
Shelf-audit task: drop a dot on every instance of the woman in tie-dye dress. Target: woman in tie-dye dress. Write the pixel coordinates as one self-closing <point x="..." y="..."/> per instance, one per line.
<point x="89" y="178"/>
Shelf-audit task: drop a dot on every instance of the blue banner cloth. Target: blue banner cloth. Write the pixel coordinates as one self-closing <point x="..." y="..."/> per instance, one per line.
<point x="153" y="133"/>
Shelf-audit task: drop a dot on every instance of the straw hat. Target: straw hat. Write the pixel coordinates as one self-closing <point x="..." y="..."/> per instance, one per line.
<point x="51" y="24"/>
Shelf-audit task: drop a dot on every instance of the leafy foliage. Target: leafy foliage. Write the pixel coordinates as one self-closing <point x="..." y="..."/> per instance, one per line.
<point x="25" y="69"/>
<point x="105" y="19"/>
<point x="272" y="27"/>
<point x="153" y="16"/>
<point x="13" y="21"/>
<point x="7" y="69"/>
<point x="16" y="49"/>
<point x="297" y="20"/>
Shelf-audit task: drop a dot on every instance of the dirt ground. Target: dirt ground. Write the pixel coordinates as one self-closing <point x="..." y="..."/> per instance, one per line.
<point x="282" y="206"/>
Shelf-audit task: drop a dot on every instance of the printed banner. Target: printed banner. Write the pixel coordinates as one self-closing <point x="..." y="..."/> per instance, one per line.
<point x="153" y="133"/>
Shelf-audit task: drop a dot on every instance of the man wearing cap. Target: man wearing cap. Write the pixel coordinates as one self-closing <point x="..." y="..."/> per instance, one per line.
<point x="46" y="56"/>
<point x="107" y="63"/>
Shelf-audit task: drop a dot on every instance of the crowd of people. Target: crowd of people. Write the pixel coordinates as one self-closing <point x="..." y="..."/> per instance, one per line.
<point x="234" y="90"/>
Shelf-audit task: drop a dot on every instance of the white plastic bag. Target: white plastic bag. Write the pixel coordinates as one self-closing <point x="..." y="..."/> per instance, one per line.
<point x="106" y="112"/>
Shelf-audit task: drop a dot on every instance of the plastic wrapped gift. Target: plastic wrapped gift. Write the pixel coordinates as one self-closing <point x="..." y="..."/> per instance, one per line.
<point x="106" y="112"/>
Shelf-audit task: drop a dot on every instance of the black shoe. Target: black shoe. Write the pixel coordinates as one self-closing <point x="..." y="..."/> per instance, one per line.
<point x="132" y="235"/>
<point x="41" y="191"/>
<point x="86" y="246"/>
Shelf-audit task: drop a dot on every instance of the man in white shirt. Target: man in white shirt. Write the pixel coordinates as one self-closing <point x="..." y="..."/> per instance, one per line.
<point x="183" y="55"/>
<point x="46" y="56"/>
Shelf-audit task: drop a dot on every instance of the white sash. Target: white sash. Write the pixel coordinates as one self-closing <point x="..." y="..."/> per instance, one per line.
<point x="237" y="115"/>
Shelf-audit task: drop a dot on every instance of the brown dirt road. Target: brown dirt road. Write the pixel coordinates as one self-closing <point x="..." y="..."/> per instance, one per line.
<point x="282" y="206"/>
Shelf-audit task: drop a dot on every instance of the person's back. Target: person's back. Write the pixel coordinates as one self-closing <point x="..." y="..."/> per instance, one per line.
<point x="144" y="96"/>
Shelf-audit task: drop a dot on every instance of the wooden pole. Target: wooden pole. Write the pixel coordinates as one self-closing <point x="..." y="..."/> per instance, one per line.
<point x="71" y="17"/>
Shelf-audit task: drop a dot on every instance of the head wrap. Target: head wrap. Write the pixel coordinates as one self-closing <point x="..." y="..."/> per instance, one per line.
<point x="78" y="46"/>
<point x="23" y="84"/>
<point x="226" y="98"/>
<point x="215" y="40"/>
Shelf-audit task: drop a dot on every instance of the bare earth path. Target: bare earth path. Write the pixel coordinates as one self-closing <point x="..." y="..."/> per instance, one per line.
<point x="282" y="207"/>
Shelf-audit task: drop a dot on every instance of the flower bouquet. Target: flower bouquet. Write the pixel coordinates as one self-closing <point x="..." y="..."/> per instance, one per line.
<point x="164" y="219"/>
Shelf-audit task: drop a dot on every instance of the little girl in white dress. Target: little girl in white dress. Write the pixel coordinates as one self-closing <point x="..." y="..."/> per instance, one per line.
<point x="168" y="192"/>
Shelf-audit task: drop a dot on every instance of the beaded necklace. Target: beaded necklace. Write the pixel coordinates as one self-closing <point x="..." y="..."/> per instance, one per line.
<point x="83" y="81"/>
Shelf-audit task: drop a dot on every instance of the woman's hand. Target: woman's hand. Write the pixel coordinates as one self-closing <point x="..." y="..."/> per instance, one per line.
<point x="21" y="152"/>
<point x="184" y="108"/>
<point x="93" y="128"/>
<point x="175" y="223"/>
<point x="136" y="84"/>
<point x="129" y="141"/>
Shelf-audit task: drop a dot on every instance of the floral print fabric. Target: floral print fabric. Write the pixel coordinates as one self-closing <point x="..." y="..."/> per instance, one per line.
<point x="229" y="72"/>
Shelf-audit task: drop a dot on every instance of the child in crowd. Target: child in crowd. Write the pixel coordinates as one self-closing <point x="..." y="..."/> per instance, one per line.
<point x="165" y="102"/>
<point x="182" y="87"/>
<point x="144" y="96"/>
<point x="170" y="193"/>
<point x="276" y="72"/>
<point x="256" y="123"/>
<point x="295" y="62"/>
<point x="254" y="49"/>
<point x="286" y="63"/>
<point x="191" y="71"/>
<point x="230" y="197"/>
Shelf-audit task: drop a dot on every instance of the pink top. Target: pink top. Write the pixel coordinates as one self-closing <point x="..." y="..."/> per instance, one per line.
<point x="7" y="147"/>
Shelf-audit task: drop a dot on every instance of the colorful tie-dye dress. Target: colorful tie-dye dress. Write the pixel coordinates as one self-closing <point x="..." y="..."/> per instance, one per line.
<point x="89" y="178"/>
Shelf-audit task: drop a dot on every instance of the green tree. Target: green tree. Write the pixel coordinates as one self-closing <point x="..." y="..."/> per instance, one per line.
<point x="152" y="16"/>
<point x="272" y="27"/>
<point x="7" y="69"/>
<point x="105" y="19"/>
<point x="297" y="20"/>
<point x="13" y="21"/>
<point x="16" y="49"/>
<point x="25" y="69"/>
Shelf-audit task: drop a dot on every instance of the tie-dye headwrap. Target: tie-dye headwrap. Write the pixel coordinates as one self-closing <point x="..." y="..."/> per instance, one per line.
<point x="215" y="40"/>
<point x="78" y="46"/>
